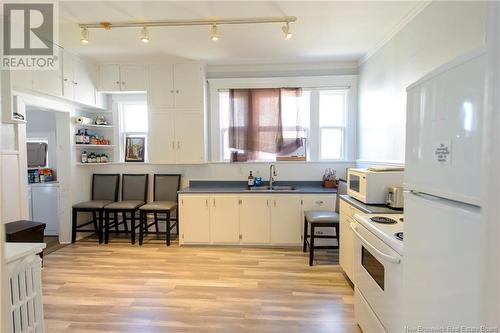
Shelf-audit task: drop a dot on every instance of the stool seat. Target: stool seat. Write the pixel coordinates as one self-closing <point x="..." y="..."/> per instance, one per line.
<point x="125" y="205"/>
<point x="92" y="204"/>
<point x="321" y="216"/>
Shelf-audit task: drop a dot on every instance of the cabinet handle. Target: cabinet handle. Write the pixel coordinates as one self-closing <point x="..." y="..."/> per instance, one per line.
<point x="117" y="82"/>
<point x="267" y="203"/>
<point x="171" y="91"/>
<point x="173" y="144"/>
<point x="177" y="91"/>
<point x="274" y="203"/>
<point x="178" y="144"/>
<point x="319" y="202"/>
<point x="65" y="80"/>
<point x="214" y="202"/>
<point x="206" y="202"/>
<point x="123" y="82"/>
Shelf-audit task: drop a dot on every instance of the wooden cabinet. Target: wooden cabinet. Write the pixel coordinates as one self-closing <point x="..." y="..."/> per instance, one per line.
<point x="176" y="137"/>
<point x="114" y="78"/>
<point x="161" y="86"/>
<point x="189" y="137"/>
<point x="176" y="86"/>
<point x="161" y="140"/>
<point x="255" y="219"/>
<point x="286" y="223"/>
<point x="79" y="79"/>
<point x="346" y="250"/>
<point x="195" y="224"/>
<point x="224" y="219"/>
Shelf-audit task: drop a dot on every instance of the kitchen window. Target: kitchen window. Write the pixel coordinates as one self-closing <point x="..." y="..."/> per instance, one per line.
<point x="323" y="120"/>
<point x="133" y="122"/>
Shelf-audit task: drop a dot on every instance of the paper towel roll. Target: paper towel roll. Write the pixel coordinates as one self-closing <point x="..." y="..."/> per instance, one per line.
<point x="84" y="120"/>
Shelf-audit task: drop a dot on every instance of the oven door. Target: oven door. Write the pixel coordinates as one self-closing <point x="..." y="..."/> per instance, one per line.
<point x="356" y="185"/>
<point x="378" y="276"/>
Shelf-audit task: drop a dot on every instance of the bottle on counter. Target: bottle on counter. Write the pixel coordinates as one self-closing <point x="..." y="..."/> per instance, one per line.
<point x="84" y="157"/>
<point x="250" y="181"/>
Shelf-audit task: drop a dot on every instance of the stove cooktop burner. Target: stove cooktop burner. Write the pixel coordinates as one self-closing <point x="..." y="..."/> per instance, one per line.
<point x="382" y="219"/>
<point x="399" y="235"/>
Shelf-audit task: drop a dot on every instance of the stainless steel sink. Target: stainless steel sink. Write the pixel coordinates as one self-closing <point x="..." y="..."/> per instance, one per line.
<point x="273" y="188"/>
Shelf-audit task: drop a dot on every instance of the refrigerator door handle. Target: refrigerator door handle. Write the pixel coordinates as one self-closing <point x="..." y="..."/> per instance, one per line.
<point x="373" y="248"/>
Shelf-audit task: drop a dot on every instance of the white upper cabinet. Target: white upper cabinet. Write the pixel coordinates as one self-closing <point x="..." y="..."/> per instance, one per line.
<point x="176" y="86"/>
<point x="50" y="81"/>
<point x="79" y="79"/>
<point x="161" y="86"/>
<point x="188" y="85"/>
<point x="114" y="78"/>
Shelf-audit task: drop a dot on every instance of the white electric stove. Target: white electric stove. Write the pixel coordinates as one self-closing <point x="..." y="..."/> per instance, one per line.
<point x="378" y="271"/>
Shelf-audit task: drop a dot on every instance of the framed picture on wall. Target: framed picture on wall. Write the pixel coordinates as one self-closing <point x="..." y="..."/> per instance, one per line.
<point x="134" y="148"/>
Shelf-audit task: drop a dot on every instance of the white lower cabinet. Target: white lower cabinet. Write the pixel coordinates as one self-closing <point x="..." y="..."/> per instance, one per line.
<point x="194" y="213"/>
<point x="286" y="216"/>
<point x="346" y="251"/>
<point x="255" y="219"/>
<point x="246" y="219"/>
<point x="224" y="216"/>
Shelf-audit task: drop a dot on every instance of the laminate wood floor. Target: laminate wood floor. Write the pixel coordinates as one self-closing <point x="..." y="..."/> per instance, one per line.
<point x="120" y="287"/>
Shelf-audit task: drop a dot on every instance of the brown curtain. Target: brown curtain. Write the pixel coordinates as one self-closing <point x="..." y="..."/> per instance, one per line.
<point x="256" y="122"/>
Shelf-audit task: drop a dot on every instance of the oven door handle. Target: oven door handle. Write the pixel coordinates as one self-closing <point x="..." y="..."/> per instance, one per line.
<point x="373" y="248"/>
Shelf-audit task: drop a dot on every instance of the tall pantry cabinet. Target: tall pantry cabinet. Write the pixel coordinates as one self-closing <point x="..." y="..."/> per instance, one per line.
<point x="176" y="105"/>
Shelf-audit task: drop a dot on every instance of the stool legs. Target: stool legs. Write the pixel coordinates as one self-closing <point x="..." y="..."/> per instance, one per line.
<point x="106" y="227"/>
<point x="73" y="225"/>
<point x="168" y="228"/>
<point x="99" y="228"/>
<point x="304" y="246"/>
<point x="311" y="246"/>
<point x="132" y="227"/>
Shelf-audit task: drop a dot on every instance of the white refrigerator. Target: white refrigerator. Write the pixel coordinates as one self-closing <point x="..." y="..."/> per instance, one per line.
<point x="444" y="248"/>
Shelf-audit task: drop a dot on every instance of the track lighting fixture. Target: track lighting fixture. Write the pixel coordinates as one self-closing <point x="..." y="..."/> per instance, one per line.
<point x="145" y="35"/>
<point x="214" y="24"/>
<point x="286" y="30"/>
<point x="214" y="35"/>
<point x="84" y="36"/>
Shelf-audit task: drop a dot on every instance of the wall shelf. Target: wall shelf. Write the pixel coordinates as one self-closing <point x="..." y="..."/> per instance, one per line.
<point x="80" y="146"/>
<point x="88" y="164"/>
<point x="108" y="127"/>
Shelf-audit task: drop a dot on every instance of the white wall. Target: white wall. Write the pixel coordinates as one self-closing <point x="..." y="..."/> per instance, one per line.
<point x="440" y="32"/>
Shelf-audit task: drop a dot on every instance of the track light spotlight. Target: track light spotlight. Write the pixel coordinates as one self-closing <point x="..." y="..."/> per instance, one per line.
<point x="286" y="30"/>
<point x="84" y="36"/>
<point x="145" y="35"/>
<point x="214" y="35"/>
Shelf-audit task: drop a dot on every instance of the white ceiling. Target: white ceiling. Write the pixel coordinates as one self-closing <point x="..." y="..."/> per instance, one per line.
<point x="325" y="31"/>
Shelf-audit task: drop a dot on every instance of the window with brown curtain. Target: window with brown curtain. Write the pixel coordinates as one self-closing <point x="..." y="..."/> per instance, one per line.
<point x="256" y="122"/>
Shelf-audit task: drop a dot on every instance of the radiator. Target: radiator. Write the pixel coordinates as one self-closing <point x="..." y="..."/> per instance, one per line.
<point x="25" y="289"/>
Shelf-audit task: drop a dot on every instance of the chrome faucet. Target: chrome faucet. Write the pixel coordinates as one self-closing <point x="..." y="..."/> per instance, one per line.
<point x="272" y="174"/>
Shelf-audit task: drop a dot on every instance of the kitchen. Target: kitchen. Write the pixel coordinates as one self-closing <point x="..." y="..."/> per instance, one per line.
<point x="141" y="121"/>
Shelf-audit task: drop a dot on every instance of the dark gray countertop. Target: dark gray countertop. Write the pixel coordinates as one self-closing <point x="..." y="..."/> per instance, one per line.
<point x="302" y="187"/>
<point x="370" y="209"/>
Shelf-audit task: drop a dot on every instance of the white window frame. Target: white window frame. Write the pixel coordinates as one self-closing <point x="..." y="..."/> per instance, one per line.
<point x="119" y="100"/>
<point x="313" y="83"/>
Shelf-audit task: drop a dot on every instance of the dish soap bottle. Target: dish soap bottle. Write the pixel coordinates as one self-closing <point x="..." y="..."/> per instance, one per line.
<point x="250" y="180"/>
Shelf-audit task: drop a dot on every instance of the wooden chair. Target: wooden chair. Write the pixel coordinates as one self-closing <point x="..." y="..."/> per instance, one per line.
<point x="104" y="191"/>
<point x="134" y="195"/>
<point x="322" y="219"/>
<point x="165" y="200"/>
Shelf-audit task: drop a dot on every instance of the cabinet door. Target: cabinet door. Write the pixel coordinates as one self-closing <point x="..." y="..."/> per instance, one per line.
<point x="189" y="137"/>
<point x="346" y="247"/>
<point x="161" y="138"/>
<point x="255" y="219"/>
<point x="286" y="216"/>
<point x="194" y="221"/>
<point x="109" y="78"/>
<point x="188" y="85"/>
<point x="161" y="86"/>
<point x="49" y="82"/>
<point x="133" y="78"/>
<point x="224" y="219"/>
<point x="84" y="82"/>
<point x="67" y="75"/>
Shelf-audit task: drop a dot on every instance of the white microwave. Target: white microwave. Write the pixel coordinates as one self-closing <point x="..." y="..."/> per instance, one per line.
<point x="371" y="186"/>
